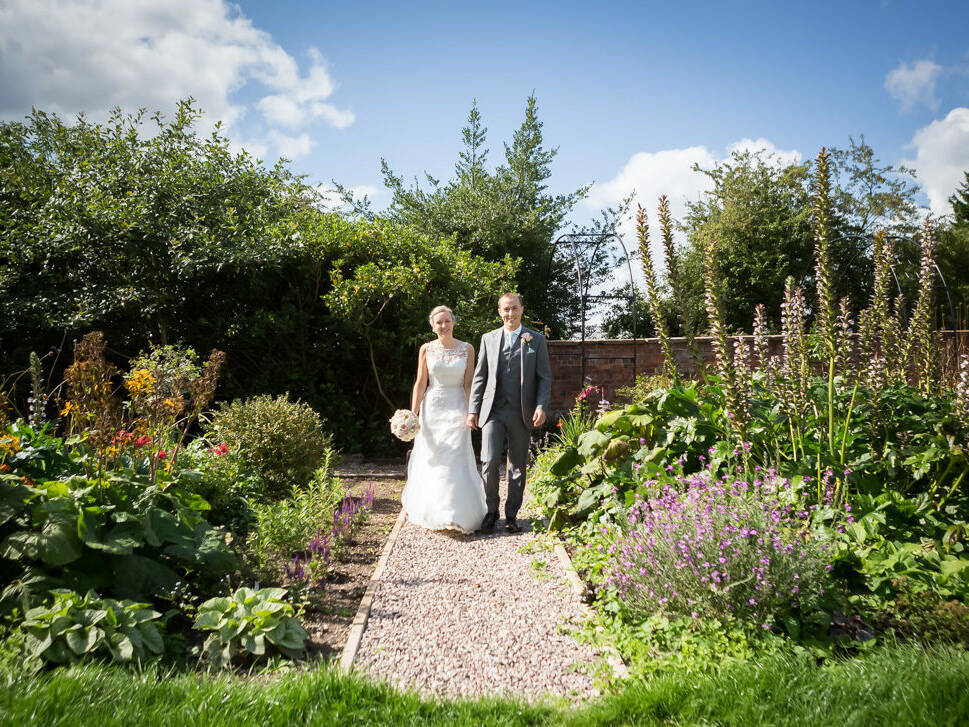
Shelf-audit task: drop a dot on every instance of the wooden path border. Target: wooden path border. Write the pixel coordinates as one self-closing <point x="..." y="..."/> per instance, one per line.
<point x="359" y="624"/>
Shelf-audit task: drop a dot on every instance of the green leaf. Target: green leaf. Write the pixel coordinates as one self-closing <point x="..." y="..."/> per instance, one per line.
<point x="565" y="462"/>
<point x="207" y="620"/>
<point x="591" y="442"/>
<point x="82" y="641"/>
<point x="152" y="638"/>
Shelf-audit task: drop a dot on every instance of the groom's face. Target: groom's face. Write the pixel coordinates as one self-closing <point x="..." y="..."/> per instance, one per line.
<point x="510" y="311"/>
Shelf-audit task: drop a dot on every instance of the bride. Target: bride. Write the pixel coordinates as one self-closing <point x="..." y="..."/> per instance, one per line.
<point x="444" y="489"/>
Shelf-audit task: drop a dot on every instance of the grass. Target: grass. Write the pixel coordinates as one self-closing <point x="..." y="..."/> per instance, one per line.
<point x="898" y="685"/>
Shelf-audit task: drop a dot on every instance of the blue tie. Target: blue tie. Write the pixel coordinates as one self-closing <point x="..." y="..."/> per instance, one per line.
<point x="510" y="339"/>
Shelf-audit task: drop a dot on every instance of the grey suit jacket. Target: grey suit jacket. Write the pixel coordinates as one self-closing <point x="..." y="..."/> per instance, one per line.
<point x="536" y="375"/>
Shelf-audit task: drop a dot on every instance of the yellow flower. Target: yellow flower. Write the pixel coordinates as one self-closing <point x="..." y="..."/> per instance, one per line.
<point x="10" y="444"/>
<point x="173" y="404"/>
<point x="68" y="408"/>
<point x="141" y="381"/>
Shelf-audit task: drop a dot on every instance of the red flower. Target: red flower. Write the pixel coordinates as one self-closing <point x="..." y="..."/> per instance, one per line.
<point x="27" y="481"/>
<point x="143" y="440"/>
<point x="161" y="454"/>
<point x="219" y="449"/>
<point x="559" y="424"/>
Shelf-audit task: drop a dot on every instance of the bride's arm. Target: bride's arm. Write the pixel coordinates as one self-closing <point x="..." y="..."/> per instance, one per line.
<point x="469" y="372"/>
<point x="420" y="385"/>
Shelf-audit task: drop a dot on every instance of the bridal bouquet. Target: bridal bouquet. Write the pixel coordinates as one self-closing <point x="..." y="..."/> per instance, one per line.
<point x="404" y="424"/>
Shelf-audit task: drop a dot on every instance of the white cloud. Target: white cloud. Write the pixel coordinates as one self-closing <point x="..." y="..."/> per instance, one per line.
<point x="914" y="84"/>
<point x="93" y="55"/>
<point x="941" y="157"/>
<point x="330" y="200"/>
<point x="291" y="147"/>
<point x="670" y="172"/>
<point x="784" y="157"/>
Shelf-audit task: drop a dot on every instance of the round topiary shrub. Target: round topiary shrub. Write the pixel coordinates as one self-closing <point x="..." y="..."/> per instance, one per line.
<point x="281" y="441"/>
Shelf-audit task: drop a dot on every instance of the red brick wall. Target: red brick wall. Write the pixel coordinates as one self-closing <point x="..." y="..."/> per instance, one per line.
<point x="609" y="363"/>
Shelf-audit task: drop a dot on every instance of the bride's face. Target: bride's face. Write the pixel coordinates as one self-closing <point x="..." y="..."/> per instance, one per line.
<point x="443" y="325"/>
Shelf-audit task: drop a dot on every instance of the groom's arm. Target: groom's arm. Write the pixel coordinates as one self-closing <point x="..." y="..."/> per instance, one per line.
<point x="478" y="385"/>
<point x="543" y="372"/>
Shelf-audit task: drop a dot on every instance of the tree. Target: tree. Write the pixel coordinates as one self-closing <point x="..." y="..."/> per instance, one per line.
<point x="759" y="214"/>
<point x="951" y="254"/>
<point x="159" y="235"/>
<point x="960" y="202"/>
<point x="499" y="213"/>
<point x="105" y="226"/>
<point x="870" y="195"/>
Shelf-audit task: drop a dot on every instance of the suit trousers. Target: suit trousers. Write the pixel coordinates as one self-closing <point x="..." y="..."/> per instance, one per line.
<point x="504" y="427"/>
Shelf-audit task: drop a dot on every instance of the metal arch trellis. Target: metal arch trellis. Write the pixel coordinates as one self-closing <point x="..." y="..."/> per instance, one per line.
<point x="596" y="240"/>
<point x="898" y="283"/>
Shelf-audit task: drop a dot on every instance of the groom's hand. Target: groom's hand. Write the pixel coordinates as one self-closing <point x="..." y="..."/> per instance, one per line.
<point x="538" y="418"/>
<point x="473" y="421"/>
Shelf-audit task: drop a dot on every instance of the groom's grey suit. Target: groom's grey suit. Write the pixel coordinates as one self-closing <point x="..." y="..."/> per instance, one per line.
<point x="508" y="385"/>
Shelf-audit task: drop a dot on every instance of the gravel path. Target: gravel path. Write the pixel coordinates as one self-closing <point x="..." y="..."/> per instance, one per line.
<point x="469" y="615"/>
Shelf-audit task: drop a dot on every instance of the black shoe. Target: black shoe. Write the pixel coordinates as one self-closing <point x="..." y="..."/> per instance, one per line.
<point x="489" y="522"/>
<point x="512" y="526"/>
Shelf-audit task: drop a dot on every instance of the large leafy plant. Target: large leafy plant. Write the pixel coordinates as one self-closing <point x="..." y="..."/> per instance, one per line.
<point x="76" y="626"/>
<point x="249" y="623"/>
<point x="121" y="535"/>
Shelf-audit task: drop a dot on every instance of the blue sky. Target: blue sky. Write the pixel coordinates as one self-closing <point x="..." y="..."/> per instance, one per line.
<point x="632" y="93"/>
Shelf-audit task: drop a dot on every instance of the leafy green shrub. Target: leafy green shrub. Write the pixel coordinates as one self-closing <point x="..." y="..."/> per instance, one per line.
<point x="925" y="616"/>
<point x="76" y="626"/>
<point x="250" y="623"/>
<point x="120" y="535"/>
<point x="280" y="440"/>
<point x="222" y="479"/>
<point x="644" y="385"/>
<point x="286" y="526"/>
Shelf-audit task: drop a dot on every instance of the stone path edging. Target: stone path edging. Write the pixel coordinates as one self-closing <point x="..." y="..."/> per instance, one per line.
<point x="608" y="652"/>
<point x="359" y="624"/>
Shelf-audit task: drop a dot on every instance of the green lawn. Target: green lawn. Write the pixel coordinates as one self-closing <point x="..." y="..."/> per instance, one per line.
<point x="900" y="685"/>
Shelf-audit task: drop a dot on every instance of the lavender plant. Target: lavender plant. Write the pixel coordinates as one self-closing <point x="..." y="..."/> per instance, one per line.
<point x="703" y="546"/>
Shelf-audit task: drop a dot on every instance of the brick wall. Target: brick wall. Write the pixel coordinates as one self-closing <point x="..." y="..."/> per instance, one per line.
<point x="609" y="363"/>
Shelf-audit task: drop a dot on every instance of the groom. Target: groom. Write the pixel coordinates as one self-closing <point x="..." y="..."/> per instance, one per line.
<point x="509" y="395"/>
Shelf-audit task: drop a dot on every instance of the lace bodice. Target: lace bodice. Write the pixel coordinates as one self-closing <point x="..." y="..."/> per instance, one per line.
<point x="446" y="366"/>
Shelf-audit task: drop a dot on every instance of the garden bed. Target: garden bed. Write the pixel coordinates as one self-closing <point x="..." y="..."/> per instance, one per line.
<point x="331" y="610"/>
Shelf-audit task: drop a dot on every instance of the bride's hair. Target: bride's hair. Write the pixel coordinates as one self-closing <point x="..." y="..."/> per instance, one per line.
<point x="440" y="309"/>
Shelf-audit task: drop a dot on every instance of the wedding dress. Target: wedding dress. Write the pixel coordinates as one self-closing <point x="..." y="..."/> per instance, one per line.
<point x="444" y="490"/>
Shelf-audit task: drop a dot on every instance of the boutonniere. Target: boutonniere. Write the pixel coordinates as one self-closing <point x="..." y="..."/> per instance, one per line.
<point x="527" y="337"/>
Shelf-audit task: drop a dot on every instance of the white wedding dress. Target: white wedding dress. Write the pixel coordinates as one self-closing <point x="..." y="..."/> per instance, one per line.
<point x="444" y="489"/>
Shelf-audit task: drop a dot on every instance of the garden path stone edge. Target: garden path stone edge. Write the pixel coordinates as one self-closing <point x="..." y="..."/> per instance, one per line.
<point x="359" y="624"/>
<point x="606" y="650"/>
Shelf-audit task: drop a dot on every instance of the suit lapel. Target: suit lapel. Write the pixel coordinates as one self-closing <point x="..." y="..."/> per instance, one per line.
<point x="522" y="351"/>
<point x="495" y="352"/>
